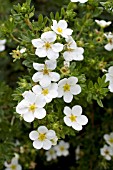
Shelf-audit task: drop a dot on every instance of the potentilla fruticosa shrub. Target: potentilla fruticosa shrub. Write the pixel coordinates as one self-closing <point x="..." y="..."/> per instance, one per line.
<point x="61" y="108"/>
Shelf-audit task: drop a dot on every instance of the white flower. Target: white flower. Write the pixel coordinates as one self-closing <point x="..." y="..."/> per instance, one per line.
<point x="2" y="45"/>
<point x="81" y="1"/>
<point x="77" y="153"/>
<point x="13" y="165"/>
<point x="48" y="92"/>
<point x="42" y="138"/>
<point x="62" y="148"/>
<point x="22" y="50"/>
<point x="103" y="23"/>
<point x="31" y="107"/>
<point x="109" y="77"/>
<point x="54" y="140"/>
<point x="51" y="154"/>
<point x="61" y="28"/>
<point x="45" y="46"/>
<point x="45" y="75"/>
<point x="73" y="52"/>
<point x="67" y="87"/>
<point x="74" y="118"/>
<point x="107" y="152"/>
<point x="109" y="37"/>
<point x="109" y="139"/>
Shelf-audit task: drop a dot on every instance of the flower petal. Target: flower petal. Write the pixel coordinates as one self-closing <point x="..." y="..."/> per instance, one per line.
<point x="37" y="144"/>
<point x="82" y="120"/>
<point x="38" y="66"/>
<point x="41" y="52"/>
<point x="33" y="135"/>
<point x="49" y="36"/>
<point x="54" y="76"/>
<point x="40" y="113"/>
<point x="28" y="117"/>
<point x="38" y="43"/>
<point x="77" y="110"/>
<point x="37" y="89"/>
<point x="57" y="47"/>
<point x="67" y="111"/>
<point x="37" y="76"/>
<point x="45" y="81"/>
<point x="76" y="126"/>
<point x="76" y="89"/>
<point x="47" y="144"/>
<point x="68" y="97"/>
<point x="67" y="121"/>
<point x="42" y="129"/>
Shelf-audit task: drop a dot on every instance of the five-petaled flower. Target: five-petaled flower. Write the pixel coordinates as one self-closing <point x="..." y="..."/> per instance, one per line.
<point x="61" y="28"/>
<point x="72" y="51"/>
<point x="14" y="165"/>
<point x="42" y="138"/>
<point x="48" y="92"/>
<point x="45" y="46"/>
<point x="62" y="148"/>
<point x="103" y="23"/>
<point x="107" y="152"/>
<point x="67" y="87"/>
<point x="51" y="154"/>
<point x="109" y="77"/>
<point x="31" y="107"/>
<point x="45" y="75"/>
<point x="74" y="118"/>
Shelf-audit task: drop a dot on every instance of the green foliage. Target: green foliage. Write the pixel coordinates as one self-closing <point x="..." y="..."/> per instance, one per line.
<point x="19" y="29"/>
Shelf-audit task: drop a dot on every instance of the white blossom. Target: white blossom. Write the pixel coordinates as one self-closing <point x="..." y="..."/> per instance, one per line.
<point x="31" y="107"/>
<point x="2" y="45"/>
<point x="72" y="51"/>
<point x="45" y="75"/>
<point x="67" y="87"/>
<point x="103" y="23"/>
<point x="14" y="165"/>
<point x="22" y="50"/>
<point x="61" y="28"/>
<point x="107" y="152"/>
<point x="51" y="154"/>
<point x="48" y="92"/>
<point x="109" y="139"/>
<point x="74" y="117"/>
<point x="45" y="46"/>
<point x="81" y="1"/>
<point x="62" y="148"/>
<point x="109" y="77"/>
<point x="42" y="138"/>
<point x="109" y="37"/>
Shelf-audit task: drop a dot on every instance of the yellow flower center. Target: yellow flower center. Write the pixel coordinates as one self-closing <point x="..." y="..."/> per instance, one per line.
<point x="62" y="148"/>
<point x="111" y="140"/>
<point x="46" y="71"/>
<point x="51" y="152"/>
<point x="42" y="136"/>
<point x="59" y="30"/>
<point x="45" y="92"/>
<point x="13" y="167"/>
<point x="110" y="41"/>
<point x="47" y="45"/>
<point x="66" y="87"/>
<point x="73" y="118"/>
<point x="32" y="107"/>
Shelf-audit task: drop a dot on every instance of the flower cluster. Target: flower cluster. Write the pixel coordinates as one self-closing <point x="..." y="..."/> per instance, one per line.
<point x="60" y="149"/>
<point x="107" y="150"/>
<point x="49" y="85"/>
